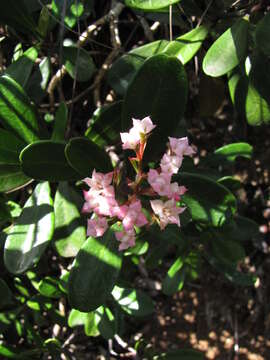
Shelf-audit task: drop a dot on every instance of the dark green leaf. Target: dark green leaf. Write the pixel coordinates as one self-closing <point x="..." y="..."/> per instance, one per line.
<point x="134" y="302"/>
<point x="174" y="280"/>
<point x="207" y="201"/>
<point x="69" y="232"/>
<point x="6" y="294"/>
<point x="29" y="237"/>
<point x="159" y="90"/>
<point x="16" y="111"/>
<point x="262" y="34"/>
<point x="94" y="272"/>
<point x="183" y="354"/>
<point x="20" y="70"/>
<point x="61" y="118"/>
<point x="227" y="51"/>
<point x="45" y="160"/>
<point x="84" y="156"/>
<point x="150" y="4"/>
<point x="227" y="251"/>
<point x="78" y="63"/>
<point x="186" y="46"/>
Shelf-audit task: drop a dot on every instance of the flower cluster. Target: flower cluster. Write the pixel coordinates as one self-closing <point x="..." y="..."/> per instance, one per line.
<point x="162" y="207"/>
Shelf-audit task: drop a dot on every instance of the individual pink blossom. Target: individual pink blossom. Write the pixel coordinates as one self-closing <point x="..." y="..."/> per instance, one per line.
<point x="127" y="238"/>
<point x="171" y="163"/>
<point x="167" y="212"/>
<point x="177" y="191"/>
<point x="134" y="216"/>
<point x="140" y="128"/>
<point x="180" y="146"/>
<point x="99" y="181"/>
<point x="97" y="226"/>
<point x="104" y="205"/>
<point x="160" y="182"/>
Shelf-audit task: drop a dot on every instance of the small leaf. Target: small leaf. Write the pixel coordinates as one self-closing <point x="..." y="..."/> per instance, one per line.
<point x="20" y="70"/>
<point x="134" y="302"/>
<point x="262" y="36"/>
<point x="150" y="4"/>
<point x="61" y="118"/>
<point x="186" y="46"/>
<point x="84" y="156"/>
<point x="45" y="160"/>
<point x="29" y="237"/>
<point x="94" y="272"/>
<point x="69" y="233"/>
<point x="230" y="152"/>
<point x="49" y="287"/>
<point x="227" y="51"/>
<point x="16" y="111"/>
<point x="78" y="62"/>
<point x="183" y="354"/>
<point x="257" y="108"/>
<point x="159" y="90"/>
<point x="207" y="201"/>
<point x="174" y="280"/>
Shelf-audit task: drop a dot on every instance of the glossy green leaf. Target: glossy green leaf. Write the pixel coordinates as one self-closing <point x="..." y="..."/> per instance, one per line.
<point x="16" y="112"/>
<point x="11" y="175"/>
<point x="105" y="127"/>
<point x="238" y="87"/>
<point x="186" y="46"/>
<point x="262" y="34"/>
<point x="92" y="321"/>
<point x="150" y="4"/>
<point x="227" y="51"/>
<point x="45" y="160"/>
<point x="61" y="118"/>
<point x="76" y="318"/>
<point x="231" y="151"/>
<point x="20" y="70"/>
<point x="78" y="62"/>
<point x="48" y="287"/>
<point x="134" y="302"/>
<point x="174" y="280"/>
<point x="123" y="69"/>
<point x="29" y="237"/>
<point x="69" y="233"/>
<point x="183" y="354"/>
<point x="84" y="156"/>
<point x="159" y="90"/>
<point x="6" y="294"/>
<point x="230" y="182"/>
<point x="73" y="10"/>
<point x="257" y="108"/>
<point x="206" y="200"/>
<point x="94" y="272"/>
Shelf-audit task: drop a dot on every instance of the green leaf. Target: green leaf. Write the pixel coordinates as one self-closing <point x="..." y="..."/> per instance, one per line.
<point x="76" y="318"/>
<point x="262" y="34"/>
<point x="186" y="46"/>
<point x="69" y="233"/>
<point x="49" y="287"/>
<point x="159" y="90"/>
<point x="78" y="62"/>
<point x="61" y="118"/>
<point x="45" y="160"/>
<point x="183" y="354"/>
<point x="84" y="156"/>
<point x="11" y="175"/>
<point x="134" y="302"/>
<point x="257" y="108"/>
<point x="123" y="69"/>
<point x="174" y="280"/>
<point x="207" y="201"/>
<point x="20" y="70"/>
<point x="228" y="251"/>
<point x="230" y="152"/>
<point x="150" y="4"/>
<point x="94" y="272"/>
<point x="106" y="125"/>
<point x="29" y="237"/>
<point x="73" y="10"/>
<point x="91" y="323"/>
<point x="16" y="111"/>
<point x="227" y="51"/>
<point x="6" y="294"/>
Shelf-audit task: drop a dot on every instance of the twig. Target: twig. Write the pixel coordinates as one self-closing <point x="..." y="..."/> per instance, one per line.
<point x="170" y="22"/>
<point x="204" y="13"/>
<point x="146" y="28"/>
<point x="83" y="39"/>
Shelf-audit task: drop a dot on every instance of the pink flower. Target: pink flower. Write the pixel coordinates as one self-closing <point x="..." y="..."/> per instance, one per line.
<point x="96" y="227"/>
<point x="180" y="146"/>
<point x="160" y="182"/>
<point x="171" y="164"/>
<point x="167" y="212"/>
<point x="134" y="216"/>
<point x="104" y="205"/>
<point x="99" y="181"/>
<point x="127" y="239"/>
<point x="140" y="128"/>
<point x="177" y="191"/>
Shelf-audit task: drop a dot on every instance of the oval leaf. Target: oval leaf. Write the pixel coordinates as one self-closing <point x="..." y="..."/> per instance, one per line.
<point x="174" y="280"/>
<point x="159" y="90"/>
<point x="29" y="237"/>
<point x="262" y="34"/>
<point x="69" y="233"/>
<point x="84" y="156"/>
<point x="94" y="272"/>
<point x="227" y="51"/>
<point x="16" y="111"/>
<point x="150" y="4"/>
<point x="78" y="63"/>
<point x="45" y="160"/>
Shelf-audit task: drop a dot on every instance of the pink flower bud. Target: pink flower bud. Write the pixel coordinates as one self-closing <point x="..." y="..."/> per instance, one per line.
<point x="171" y="164"/>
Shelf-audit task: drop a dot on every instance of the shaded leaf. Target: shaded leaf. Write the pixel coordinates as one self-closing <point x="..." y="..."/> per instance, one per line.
<point x="78" y="62"/>
<point x="61" y="118"/>
<point x="174" y="280"/>
<point x="262" y="34"/>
